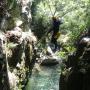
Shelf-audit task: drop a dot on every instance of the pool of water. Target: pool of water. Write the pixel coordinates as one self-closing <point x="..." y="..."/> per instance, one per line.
<point x="45" y="79"/>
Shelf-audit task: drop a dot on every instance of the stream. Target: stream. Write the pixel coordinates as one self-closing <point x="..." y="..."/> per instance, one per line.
<point x="47" y="78"/>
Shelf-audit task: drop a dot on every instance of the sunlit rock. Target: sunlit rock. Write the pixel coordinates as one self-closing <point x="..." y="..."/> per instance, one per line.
<point x="18" y="65"/>
<point x="2" y="38"/>
<point x="49" y="62"/>
<point x="85" y="40"/>
<point x="28" y="36"/>
<point x="49" y="51"/>
<point x="24" y="2"/>
<point x="15" y="17"/>
<point x="26" y="12"/>
<point x="3" y="41"/>
<point x="37" y="67"/>
<point x="18" y="22"/>
<point x="13" y="80"/>
<point x="14" y="35"/>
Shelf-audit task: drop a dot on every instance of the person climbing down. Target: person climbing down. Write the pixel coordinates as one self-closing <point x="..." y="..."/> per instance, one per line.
<point x="55" y="31"/>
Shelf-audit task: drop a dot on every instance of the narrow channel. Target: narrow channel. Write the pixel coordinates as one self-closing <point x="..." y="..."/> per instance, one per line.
<point x="45" y="79"/>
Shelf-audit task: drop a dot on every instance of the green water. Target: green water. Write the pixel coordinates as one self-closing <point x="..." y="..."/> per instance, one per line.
<point x="46" y="79"/>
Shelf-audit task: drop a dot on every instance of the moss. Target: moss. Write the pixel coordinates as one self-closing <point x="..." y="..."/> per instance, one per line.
<point x="11" y="45"/>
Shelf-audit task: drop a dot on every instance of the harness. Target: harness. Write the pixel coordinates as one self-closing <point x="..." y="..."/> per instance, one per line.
<point x="57" y="35"/>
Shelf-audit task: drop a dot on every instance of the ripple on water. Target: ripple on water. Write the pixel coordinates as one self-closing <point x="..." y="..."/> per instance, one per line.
<point x="46" y="79"/>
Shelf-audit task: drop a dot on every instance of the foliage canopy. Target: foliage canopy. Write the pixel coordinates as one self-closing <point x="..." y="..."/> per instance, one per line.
<point x="75" y="14"/>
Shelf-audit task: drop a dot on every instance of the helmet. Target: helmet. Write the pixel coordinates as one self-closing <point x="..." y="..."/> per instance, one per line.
<point x="54" y="18"/>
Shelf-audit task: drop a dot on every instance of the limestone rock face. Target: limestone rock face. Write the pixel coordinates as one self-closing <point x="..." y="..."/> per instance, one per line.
<point x="16" y="56"/>
<point x="20" y="54"/>
<point x="4" y="82"/>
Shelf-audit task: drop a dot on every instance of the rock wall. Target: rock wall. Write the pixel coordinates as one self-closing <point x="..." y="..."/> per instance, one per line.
<point x="75" y="75"/>
<point x="4" y="80"/>
<point x="16" y="43"/>
<point x="20" y="54"/>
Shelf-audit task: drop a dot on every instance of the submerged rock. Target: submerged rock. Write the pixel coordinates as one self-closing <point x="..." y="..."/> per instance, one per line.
<point x="50" y="62"/>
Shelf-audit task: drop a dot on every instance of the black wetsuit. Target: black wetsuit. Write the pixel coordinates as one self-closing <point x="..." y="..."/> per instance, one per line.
<point x="55" y="29"/>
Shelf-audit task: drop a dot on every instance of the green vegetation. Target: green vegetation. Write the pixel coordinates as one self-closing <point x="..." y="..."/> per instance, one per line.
<point x="37" y="16"/>
<point x="74" y="13"/>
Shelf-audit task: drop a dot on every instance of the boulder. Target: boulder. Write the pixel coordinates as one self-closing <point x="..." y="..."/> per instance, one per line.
<point x="49" y="62"/>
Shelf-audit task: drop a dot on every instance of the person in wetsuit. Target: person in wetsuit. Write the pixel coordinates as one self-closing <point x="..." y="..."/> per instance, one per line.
<point x="55" y="31"/>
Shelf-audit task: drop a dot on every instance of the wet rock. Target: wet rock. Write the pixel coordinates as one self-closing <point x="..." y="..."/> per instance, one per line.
<point x="49" y="62"/>
<point x="79" y="62"/>
<point x="4" y="82"/>
<point x="16" y="17"/>
<point x="49" y="51"/>
<point x="29" y="37"/>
